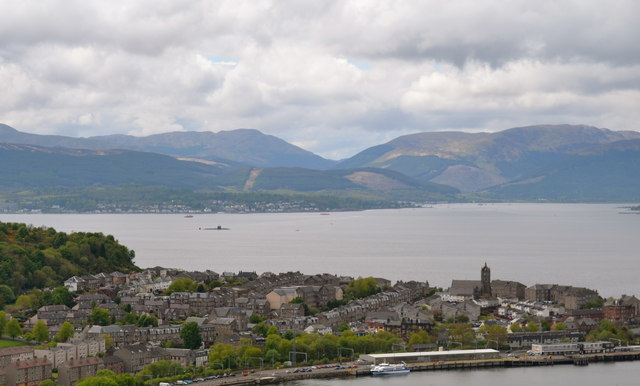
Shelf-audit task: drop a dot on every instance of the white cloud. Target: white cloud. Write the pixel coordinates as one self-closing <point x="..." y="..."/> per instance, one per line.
<point x="337" y="76"/>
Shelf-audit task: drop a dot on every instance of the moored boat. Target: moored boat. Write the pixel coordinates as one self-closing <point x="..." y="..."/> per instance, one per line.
<point x="390" y="369"/>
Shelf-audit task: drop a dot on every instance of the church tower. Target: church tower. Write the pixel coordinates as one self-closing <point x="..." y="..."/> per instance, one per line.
<point x="485" y="277"/>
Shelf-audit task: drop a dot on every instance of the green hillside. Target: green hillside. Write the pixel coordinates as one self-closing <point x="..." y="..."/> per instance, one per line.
<point x="34" y="257"/>
<point x="607" y="173"/>
<point x="474" y="162"/>
<point x="33" y="166"/>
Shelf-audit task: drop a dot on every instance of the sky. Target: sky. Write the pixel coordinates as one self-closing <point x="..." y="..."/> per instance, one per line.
<point x="333" y="77"/>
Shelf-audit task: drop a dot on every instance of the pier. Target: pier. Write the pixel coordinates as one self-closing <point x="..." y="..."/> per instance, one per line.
<point x="281" y="376"/>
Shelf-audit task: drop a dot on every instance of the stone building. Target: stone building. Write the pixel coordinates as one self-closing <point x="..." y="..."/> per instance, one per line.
<point x="74" y="370"/>
<point x="14" y="354"/>
<point x="28" y="372"/>
<point x="507" y="289"/>
<point x="624" y="310"/>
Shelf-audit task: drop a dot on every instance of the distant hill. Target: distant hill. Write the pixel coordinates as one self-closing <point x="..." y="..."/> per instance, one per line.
<point x="608" y="172"/>
<point x="37" y="166"/>
<point x="385" y="183"/>
<point x="476" y="161"/>
<point x="32" y="166"/>
<point x="232" y="148"/>
<point x="546" y="162"/>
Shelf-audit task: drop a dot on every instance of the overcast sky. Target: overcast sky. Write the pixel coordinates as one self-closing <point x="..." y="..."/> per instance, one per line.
<point x="333" y="77"/>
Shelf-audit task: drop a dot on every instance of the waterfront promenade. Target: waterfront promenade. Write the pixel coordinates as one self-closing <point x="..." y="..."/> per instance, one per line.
<point x="265" y="377"/>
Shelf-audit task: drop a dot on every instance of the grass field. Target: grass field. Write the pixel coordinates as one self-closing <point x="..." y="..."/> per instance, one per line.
<point x="10" y="343"/>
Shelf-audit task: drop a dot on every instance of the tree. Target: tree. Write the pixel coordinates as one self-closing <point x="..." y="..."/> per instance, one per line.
<point x="147" y="321"/>
<point x="181" y="285"/>
<point x="560" y="326"/>
<point x="13" y="328"/>
<point x="532" y="327"/>
<point x="61" y="295"/>
<point x="190" y="334"/>
<point x="100" y="316"/>
<point x="419" y="337"/>
<point x="362" y="287"/>
<point x="66" y="332"/>
<point x="495" y="333"/>
<point x="516" y="327"/>
<point x="160" y="368"/>
<point x="40" y="331"/>
<point x="108" y="341"/>
<point x="260" y="329"/>
<point x="6" y="295"/>
<point x="3" y="321"/>
<point x="131" y="318"/>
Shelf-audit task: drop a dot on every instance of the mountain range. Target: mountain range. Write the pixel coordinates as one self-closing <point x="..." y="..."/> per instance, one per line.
<point x="544" y="162"/>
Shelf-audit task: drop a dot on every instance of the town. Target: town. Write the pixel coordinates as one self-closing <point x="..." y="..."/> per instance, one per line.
<point x="168" y="325"/>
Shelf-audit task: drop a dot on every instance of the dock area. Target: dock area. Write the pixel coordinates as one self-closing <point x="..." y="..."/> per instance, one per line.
<point x="280" y="376"/>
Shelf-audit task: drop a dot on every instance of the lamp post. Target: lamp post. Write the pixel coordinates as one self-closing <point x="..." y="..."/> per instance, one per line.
<point x="497" y="343"/>
<point x="454" y="342"/>
<point x="345" y="348"/>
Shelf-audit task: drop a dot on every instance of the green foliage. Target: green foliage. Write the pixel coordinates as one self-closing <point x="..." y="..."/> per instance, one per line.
<point x="13" y="328"/>
<point x="495" y="334"/>
<point x="420" y="337"/>
<point x="255" y="318"/>
<point x="11" y="343"/>
<point x="610" y="331"/>
<point x="147" y="321"/>
<point x="40" y="331"/>
<point x="560" y="326"/>
<point x="48" y="382"/>
<point x="6" y="295"/>
<point x="3" y="321"/>
<point x="100" y="316"/>
<point x="65" y="333"/>
<point x="260" y="329"/>
<point x="594" y="304"/>
<point x="108" y="341"/>
<point x="190" y="334"/>
<point x="181" y="285"/>
<point x="318" y="348"/>
<point x="33" y="257"/>
<point x="461" y="333"/>
<point x="109" y="378"/>
<point x="532" y="327"/>
<point x="362" y="287"/>
<point x="160" y="369"/>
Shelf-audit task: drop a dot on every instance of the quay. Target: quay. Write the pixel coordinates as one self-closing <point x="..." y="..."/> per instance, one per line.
<point x="270" y="377"/>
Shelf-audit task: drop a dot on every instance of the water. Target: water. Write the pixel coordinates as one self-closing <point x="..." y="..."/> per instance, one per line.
<point x="577" y="244"/>
<point x="610" y="374"/>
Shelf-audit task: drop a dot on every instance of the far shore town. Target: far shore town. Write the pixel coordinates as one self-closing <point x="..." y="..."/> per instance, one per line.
<point x="166" y="326"/>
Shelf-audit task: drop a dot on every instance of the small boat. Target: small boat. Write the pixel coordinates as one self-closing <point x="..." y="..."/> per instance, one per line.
<point x="390" y="369"/>
<point x="218" y="228"/>
<point x="188" y="216"/>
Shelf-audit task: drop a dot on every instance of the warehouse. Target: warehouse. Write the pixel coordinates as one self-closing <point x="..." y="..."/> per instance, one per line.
<point x="430" y="356"/>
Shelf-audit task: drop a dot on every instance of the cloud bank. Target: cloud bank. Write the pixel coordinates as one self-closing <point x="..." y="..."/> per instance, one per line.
<point x="332" y="76"/>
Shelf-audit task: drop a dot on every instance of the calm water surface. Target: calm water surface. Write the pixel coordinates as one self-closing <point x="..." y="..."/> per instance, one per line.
<point x="609" y="374"/>
<point x="579" y="244"/>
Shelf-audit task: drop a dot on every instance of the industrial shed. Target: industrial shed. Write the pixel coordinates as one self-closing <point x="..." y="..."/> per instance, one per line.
<point x="430" y="356"/>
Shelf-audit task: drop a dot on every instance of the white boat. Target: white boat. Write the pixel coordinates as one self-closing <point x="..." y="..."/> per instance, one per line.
<point x="390" y="369"/>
